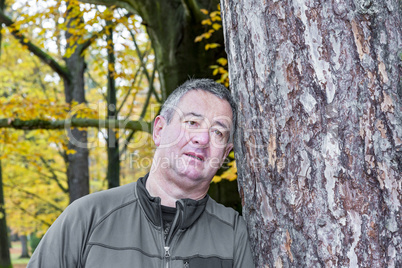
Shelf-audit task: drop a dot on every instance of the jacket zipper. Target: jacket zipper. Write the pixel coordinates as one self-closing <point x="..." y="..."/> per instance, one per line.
<point x="172" y="231"/>
<point x="167" y="256"/>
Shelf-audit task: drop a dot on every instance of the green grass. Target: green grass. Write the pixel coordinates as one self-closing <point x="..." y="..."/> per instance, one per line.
<point x="16" y="260"/>
<point x="15" y="257"/>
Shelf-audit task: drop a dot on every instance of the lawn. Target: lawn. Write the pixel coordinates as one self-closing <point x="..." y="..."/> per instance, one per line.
<point x="15" y="256"/>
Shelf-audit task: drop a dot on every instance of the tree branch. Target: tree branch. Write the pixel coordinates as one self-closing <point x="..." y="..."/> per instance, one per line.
<point x="54" y="175"/>
<point x="192" y="9"/>
<point x="96" y="35"/>
<point x="150" y="90"/>
<point x="30" y="213"/>
<point x="143" y="64"/>
<point x="46" y="58"/>
<point x="127" y="140"/>
<point x="74" y="122"/>
<point x="129" y="91"/>
<point x="31" y="194"/>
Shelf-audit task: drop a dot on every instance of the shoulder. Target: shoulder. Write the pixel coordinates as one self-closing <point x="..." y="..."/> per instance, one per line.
<point x="224" y="214"/>
<point x="100" y="203"/>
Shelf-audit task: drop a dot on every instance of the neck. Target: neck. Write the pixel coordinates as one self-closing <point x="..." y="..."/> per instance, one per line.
<point x="169" y="192"/>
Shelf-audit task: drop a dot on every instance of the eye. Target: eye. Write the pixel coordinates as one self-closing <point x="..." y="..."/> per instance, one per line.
<point x="190" y="123"/>
<point x="218" y="133"/>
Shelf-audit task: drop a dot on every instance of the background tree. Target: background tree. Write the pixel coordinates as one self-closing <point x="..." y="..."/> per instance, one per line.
<point x="77" y="41"/>
<point x="26" y="180"/>
<point x="5" y="261"/>
<point x="318" y="146"/>
<point x="172" y="27"/>
<point x="35" y="185"/>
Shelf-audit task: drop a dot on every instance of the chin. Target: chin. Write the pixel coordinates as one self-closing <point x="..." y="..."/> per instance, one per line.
<point x="193" y="175"/>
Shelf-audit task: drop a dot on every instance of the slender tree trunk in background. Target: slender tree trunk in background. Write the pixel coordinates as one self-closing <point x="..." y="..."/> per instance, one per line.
<point x="113" y="165"/>
<point x="319" y="138"/>
<point x="77" y="166"/>
<point x="5" y="261"/>
<point x="2" y="7"/>
<point x="24" y="246"/>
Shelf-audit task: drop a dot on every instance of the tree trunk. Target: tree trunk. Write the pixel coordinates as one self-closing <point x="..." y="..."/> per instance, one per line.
<point x="172" y="27"/>
<point x="5" y="261"/>
<point x="113" y="165"/>
<point x="77" y="163"/>
<point x="318" y="145"/>
<point x="24" y="246"/>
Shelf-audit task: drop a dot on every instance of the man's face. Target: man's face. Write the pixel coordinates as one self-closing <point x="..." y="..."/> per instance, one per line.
<point x="193" y="146"/>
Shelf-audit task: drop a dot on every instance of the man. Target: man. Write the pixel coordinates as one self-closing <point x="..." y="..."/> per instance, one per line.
<point x="165" y="219"/>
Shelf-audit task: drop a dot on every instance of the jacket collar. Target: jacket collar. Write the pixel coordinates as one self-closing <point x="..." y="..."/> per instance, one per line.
<point x="190" y="209"/>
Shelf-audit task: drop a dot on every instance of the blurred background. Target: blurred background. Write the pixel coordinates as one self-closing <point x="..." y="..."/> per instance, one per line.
<point x="79" y="87"/>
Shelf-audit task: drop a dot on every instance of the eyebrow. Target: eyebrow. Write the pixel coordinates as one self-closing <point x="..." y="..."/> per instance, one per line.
<point x="201" y="116"/>
<point x="193" y="114"/>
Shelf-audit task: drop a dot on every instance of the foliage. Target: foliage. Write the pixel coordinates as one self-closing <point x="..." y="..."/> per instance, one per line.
<point x="214" y="22"/>
<point x="33" y="241"/>
<point x="227" y="172"/>
<point x="31" y="192"/>
<point x="34" y="163"/>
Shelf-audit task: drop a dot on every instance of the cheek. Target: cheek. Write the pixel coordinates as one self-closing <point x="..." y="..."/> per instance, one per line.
<point x="173" y="137"/>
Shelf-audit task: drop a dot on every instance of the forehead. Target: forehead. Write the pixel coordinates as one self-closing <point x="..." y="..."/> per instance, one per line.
<point x="206" y="104"/>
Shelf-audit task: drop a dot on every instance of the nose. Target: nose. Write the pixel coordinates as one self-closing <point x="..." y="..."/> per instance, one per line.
<point x="200" y="137"/>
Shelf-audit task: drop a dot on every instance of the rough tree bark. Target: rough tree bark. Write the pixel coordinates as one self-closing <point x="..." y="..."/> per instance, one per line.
<point x="319" y="140"/>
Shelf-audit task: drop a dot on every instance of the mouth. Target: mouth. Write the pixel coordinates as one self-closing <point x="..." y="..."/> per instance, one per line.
<point x="195" y="156"/>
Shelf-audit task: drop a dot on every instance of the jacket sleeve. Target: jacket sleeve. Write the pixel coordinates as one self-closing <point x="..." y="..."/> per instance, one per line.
<point x="63" y="243"/>
<point x="242" y="255"/>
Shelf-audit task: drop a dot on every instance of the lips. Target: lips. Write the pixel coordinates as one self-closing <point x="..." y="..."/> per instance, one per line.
<point x="196" y="156"/>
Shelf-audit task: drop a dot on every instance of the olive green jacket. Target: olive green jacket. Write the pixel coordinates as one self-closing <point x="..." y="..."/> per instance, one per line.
<point x="122" y="227"/>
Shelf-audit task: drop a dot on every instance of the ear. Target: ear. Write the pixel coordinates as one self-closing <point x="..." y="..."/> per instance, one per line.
<point x="159" y="124"/>
<point x="228" y="148"/>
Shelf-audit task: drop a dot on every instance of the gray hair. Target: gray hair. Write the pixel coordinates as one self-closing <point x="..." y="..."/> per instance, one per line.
<point x="207" y="85"/>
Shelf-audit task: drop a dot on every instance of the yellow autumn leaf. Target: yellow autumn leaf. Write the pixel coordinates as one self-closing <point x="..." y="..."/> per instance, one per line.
<point x="206" y="22"/>
<point x="217" y="18"/>
<point x="224" y="76"/>
<point x="210" y="46"/>
<point x="198" y="38"/>
<point x="222" y="61"/>
<point x="232" y="155"/>
<point x="216" y="26"/>
<point x="215" y="14"/>
<point x="204" y="11"/>
<point x="217" y="179"/>
<point x="231" y="177"/>
<point x="222" y="70"/>
<point x="70" y="151"/>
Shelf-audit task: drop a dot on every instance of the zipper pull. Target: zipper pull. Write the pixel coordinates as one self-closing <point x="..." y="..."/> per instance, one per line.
<point x="167" y="253"/>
